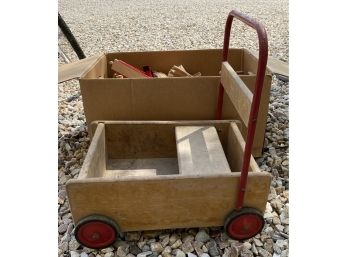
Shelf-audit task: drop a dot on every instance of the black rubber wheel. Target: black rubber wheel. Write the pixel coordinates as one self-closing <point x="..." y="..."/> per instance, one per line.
<point x="244" y="223"/>
<point x="70" y="37"/>
<point x="96" y="231"/>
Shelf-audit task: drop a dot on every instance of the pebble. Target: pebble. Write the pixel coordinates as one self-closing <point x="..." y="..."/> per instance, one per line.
<point x="177" y="244"/>
<point x="180" y="253"/>
<point x="187" y="247"/>
<point x="107" y="250"/>
<point x="122" y="251"/>
<point x="146" y="248"/>
<point x="246" y="253"/>
<point x="191" y="255"/>
<point x="213" y="249"/>
<point x="156" y="247"/>
<point x="64" y="246"/>
<point x="109" y="254"/>
<point x="130" y="255"/>
<point x="257" y="242"/>
<point x="165" y="241"/>
<point x="63" y="228"/>
<point x="188" y="238"/>
<point x="247" y="245"/>
<point x="73" y="244"/>
<point x="205" y="255"/>
<point x="83" y="254"/>
<point x="74" y="254"/>
<point x="134" y="249"/>
<point x="144" y="254"/>
<point x="263" y="252"/>
<point x="202" y="236"/>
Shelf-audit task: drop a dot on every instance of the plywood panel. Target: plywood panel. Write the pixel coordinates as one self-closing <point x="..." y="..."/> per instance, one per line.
<point x="172" y="201"/>
<point x="200" y="151"/>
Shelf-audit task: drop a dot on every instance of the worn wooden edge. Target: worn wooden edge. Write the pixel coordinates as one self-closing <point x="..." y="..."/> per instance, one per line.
<point x="239" y="94"/>
<point x="98" y="141"/>
<point x="93" y="125"/>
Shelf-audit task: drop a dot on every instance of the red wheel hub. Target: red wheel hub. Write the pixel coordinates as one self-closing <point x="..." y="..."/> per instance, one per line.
<point x="96" y="234"/>
<point x="245" y="226"/>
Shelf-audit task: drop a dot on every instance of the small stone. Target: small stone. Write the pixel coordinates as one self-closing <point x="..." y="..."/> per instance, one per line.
<point x="247" y="245"/>
<point x="64" y="246"/>
<point x="191" y="255"/>
<point x="180" y="253"/>
<point x="224" y="244"/>
<point x="87" y="250"/>
<point x="92" y="255"/>
<point x="167" y="249"/>
<point x="268" y="245"/>
<point x="130" y="255"/>
<point x="246" y="253"/>
<point x="280" y="227"/>
<point x="132" y="236"/>
<point x="257" y="242"/>
<point x="83" y="254"/>
<point x="74" y="254"/>
<point x="153" y="240"/>
<point x="109" y="254"/>
<point x="205" y="255"/>
<point x="177" y="244"/>
<point x="156" y="247"/>
<point x="205" y="249"/>
<point x="284" y="253"/>
<point x="144" y="254"/>
<point x="134" y="249"/>
<point x="198" y="247"/>
<point x="62" y="228"/>
<point x="187" y="247"/>
<point x="173" y="238"/>
<point x="263" y="252"/>
<point x="188" y="238"/>
<point x="146" y="248"/>
<point x="165" y="241"/>
<point x="141" y="244"/>
<point x="254" y="249"/>
<point x="165" y="254"/>
<point x="213" y="249"/>
<point x="73" y="244"/>
<point x="107" y="250"/>
<point x="122" y="251"/>
<point x="276" y="221"/>
<point x="230" y="252"/>
<point x="154" y="254"/>
<point x="202" y="236"/>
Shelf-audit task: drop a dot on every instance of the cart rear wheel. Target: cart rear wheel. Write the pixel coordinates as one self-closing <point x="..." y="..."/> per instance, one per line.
<point x="244" y="223"/>
<point x="96" y="231"/>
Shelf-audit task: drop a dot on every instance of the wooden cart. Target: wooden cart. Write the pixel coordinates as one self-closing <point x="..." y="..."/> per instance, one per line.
<point x="146" y="175"/>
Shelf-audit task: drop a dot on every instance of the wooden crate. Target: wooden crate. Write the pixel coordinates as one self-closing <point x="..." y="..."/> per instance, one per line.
<point x="131" y="174"/>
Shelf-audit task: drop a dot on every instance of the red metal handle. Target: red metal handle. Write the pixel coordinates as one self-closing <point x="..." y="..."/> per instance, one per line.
<point x="260" y="75"/>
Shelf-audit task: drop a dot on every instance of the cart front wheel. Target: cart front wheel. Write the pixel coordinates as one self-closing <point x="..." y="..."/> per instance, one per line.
<point x="96" y="231"/>
<point x="244" y="223"/>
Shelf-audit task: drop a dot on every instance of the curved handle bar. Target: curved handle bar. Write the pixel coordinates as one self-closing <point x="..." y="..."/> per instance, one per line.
<point x="260" y="75"/>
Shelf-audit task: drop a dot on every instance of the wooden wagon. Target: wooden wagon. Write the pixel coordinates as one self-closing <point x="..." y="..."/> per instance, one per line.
<point x="144" y="171"/>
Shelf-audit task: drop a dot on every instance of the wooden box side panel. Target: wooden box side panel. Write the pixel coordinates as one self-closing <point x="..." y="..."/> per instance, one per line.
<point x="95" y="160"/>
<point x="165" y="201"/>
<point x="154" y="139"/>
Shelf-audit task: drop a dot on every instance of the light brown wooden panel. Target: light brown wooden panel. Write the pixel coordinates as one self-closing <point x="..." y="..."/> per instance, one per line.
<point x="239" y="94"/>
<point x="150" y="139"/>
<point x="172" y="201"/>
<point x="95" y="162"/>
<point x="200" y="151"/>
<point x="235" y="150"/>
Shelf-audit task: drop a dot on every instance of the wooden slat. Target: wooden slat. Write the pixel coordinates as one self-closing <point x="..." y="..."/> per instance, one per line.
<point x="241" y="97"/>
<point x="95" y="162"/>
<point x="235" y="150"/>
<point x="168" y="201"/>
<point x="200" y="151"/>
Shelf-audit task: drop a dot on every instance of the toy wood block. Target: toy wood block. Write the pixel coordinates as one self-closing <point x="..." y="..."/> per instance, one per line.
<point x="127" y="70"/>
<point x="200" y="151"/>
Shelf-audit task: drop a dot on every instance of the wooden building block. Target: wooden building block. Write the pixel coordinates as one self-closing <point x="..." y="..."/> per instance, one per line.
<point x="200" y="151"/>
<point x="127" y="70"/>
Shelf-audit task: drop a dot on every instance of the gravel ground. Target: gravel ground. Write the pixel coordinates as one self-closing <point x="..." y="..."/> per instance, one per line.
<point x="105" y="26"/>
